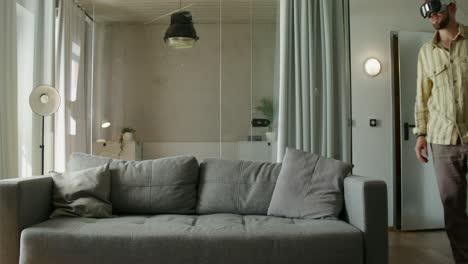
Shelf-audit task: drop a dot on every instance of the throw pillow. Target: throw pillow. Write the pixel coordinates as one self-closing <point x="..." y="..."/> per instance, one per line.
<point x="83" y="193"/>
<point x="309" y="186"/>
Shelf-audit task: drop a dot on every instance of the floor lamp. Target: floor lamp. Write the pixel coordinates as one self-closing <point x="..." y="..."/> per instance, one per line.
<point x="44" y="100"/>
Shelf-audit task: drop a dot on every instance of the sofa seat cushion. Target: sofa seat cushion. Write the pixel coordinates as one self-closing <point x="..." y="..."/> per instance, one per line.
<point x="217" y="238"/>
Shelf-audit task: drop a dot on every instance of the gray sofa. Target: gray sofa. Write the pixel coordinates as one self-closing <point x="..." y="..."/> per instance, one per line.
<point x="228" y="222"/>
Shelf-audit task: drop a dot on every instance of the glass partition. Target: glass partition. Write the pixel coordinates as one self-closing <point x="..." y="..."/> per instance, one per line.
<point x="197" y="101"/>
<point x="249" y="48"/>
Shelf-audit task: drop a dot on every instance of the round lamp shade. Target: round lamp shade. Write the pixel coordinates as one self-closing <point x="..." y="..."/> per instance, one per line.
<point x="372" y="67"/>
<point x="44" y="100"/>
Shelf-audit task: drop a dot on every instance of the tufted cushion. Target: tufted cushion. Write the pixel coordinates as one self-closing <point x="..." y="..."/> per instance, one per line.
<point x="236" y="186"/>
<point x="182" y="239"/>
<point x="167" y="185"/>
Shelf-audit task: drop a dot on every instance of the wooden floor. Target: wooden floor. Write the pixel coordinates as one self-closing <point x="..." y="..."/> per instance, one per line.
<point x="422" y="247"/>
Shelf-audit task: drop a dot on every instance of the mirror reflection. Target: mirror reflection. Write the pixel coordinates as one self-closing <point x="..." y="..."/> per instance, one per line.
<point x="197" y="100"/>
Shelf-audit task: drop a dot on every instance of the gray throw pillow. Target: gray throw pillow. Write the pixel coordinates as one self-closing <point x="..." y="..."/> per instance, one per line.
<point x="309" y="186"/>
<point x="83" y="193"/>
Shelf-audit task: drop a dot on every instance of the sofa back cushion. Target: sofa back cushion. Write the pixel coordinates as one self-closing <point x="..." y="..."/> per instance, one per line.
<point x="235" y="186"/>
<point x="167" y="185"/>
<point x="82" y="161"/>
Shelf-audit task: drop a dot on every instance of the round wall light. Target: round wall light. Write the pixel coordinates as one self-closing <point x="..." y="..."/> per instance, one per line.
<point x="372" y="66"/>
<point x="105" y="124"/>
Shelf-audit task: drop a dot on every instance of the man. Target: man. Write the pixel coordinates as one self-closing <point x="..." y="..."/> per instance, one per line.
<point x="441" y="113"/>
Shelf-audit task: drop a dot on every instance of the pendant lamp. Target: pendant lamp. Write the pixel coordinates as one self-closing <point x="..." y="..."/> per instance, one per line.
<point x="181" y="33"/>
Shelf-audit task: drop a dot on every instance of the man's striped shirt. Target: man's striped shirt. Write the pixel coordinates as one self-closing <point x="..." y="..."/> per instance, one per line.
<point x="441" y="109"/>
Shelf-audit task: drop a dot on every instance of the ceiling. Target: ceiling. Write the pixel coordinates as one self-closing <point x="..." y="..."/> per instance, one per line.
<point x="203" y="11"/>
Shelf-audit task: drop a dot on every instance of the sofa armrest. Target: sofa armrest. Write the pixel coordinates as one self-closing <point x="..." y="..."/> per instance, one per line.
<point x="23" y="202"/>
<point x="366" y="209"/>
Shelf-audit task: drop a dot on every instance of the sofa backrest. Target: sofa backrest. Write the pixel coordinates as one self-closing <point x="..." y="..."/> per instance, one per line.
<point x="235" y="186"/>
<point x="178" y="185"/>
<point x="167" y="185"/>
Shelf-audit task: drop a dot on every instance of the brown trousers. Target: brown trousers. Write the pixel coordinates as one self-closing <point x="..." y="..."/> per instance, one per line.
<point x="450" y="163"/>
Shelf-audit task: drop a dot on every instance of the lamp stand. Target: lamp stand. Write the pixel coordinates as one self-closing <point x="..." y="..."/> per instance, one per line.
<point x="42" y="147"/>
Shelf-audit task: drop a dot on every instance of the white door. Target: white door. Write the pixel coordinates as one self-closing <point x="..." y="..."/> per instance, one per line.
<point x="421" y="207"/>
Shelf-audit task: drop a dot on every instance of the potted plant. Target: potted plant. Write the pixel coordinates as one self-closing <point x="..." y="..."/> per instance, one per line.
<point x="126" y="134"/>
<point x="266" y="108"/>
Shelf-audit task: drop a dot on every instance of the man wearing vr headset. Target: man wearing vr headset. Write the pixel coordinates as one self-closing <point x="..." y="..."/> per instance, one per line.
<point x="441" y="113"/>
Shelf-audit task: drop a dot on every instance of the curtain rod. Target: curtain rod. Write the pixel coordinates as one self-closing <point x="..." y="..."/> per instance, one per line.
<point x="82" y="9"/>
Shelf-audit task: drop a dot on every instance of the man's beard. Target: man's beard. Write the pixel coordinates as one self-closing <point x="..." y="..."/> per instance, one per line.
<point x="443" y="22"/>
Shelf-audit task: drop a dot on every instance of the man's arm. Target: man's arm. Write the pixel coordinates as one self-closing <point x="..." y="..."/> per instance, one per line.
<point x="423" y="93"/>
<point x="421" y="111"/>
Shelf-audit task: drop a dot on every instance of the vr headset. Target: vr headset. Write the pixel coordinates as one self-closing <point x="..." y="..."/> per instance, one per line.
<point x="434" y="6"/>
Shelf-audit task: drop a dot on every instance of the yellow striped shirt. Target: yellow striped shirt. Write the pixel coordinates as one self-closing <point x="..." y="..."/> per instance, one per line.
<point x="441" y="110"/>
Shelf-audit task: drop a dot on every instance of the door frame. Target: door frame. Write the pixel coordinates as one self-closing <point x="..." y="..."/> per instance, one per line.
<point x="396" y="131"/>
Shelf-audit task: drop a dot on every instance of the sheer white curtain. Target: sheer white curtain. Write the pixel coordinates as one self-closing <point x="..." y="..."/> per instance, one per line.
<point x="71" y="121"/>
<point x="313" y="86"/>
<point x="35" y="58"/>
<point x="26" y="51"/>
<point x="44" y="72"/>
<point x="8" y="91"/>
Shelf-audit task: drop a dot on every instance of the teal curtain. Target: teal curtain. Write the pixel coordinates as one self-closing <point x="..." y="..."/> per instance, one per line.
<point x="8" y="91"/>
<point x="314" y="91"/>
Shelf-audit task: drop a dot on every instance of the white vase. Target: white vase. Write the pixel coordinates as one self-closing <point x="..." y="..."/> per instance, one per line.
<point x="127" y="136"/>
<point x="270" y="136"/>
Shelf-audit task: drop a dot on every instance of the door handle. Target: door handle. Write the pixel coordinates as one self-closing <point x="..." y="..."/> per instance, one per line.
<point x="407" y="126"/>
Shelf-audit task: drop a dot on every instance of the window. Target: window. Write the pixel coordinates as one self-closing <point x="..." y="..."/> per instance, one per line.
<point x="25" y="59"/>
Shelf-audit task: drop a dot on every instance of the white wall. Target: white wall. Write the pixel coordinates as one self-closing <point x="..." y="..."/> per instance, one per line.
<point x="371" y="24"/>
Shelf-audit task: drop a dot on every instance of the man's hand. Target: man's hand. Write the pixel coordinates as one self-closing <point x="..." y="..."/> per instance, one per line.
<point x="421" y="149"/>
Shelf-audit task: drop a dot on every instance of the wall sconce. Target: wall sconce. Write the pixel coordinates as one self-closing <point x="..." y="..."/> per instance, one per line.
<point x="105" y="124"/>
<point x="372" y="67"/>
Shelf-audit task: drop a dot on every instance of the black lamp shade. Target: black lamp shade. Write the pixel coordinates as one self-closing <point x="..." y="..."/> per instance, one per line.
<point x="181" y="29"/>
